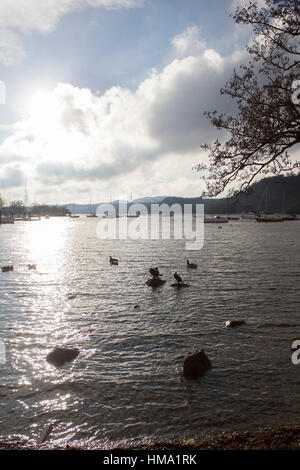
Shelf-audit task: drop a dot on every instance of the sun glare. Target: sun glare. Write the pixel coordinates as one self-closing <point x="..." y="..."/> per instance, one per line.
<point x="53" y="139"/>
<point x="44" y="111"/>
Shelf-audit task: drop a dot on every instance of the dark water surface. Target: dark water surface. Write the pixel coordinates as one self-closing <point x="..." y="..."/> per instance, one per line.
<point x="126" y="383"/>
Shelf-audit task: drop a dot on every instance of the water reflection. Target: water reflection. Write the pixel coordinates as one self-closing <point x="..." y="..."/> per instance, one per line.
<point x="126" y="382"/>
<point x="45" y="242"/>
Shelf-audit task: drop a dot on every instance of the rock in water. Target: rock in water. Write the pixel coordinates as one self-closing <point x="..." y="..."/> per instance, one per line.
<point x="45" y="434"/>
<point x="155" y="282"/>
<point x="233" y="323"/>
<point x="59" y="356"/>
<point x="71" y="296"/>
<point x="195" y="364"/>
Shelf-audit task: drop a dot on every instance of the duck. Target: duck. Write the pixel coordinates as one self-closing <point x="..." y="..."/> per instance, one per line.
<point x="31" y="266"/>
<point x="154" y="272"/>
<point x="113" y="260"/>
<point x="7" y="268"/>
<point x="191" y="265"/>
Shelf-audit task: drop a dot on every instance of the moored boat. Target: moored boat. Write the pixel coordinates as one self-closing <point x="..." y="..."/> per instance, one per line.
<point x="269" y="219"/>
<point x="289" y="217"/>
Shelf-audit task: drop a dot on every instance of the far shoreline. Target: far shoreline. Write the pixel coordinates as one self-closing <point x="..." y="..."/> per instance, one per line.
<point x="270" y="438"/>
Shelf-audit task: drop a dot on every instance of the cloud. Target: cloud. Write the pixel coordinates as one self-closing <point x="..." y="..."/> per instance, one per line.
<point x="11" y="49"/>
<point x="19" y="17"/>
<point x="188" y="42"/>
<point x="242" y="3"/>
<point x="123" y="137"/>
<point x="181" y="94"/>
<point x="11" y="176"/>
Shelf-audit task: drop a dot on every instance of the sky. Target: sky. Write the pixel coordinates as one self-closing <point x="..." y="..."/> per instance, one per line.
<point x="104" y="99"/>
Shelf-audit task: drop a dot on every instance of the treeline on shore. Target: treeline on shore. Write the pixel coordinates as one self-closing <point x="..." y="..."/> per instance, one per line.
<point x="278" y="194"/>
<point x="18" y="209"/>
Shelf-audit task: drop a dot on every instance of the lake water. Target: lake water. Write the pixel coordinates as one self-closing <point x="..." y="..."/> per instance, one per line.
<point x="127" y="383"/>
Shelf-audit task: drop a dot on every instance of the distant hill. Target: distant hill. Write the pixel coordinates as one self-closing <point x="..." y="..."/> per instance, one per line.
<point x="275" y="194"/>
<point x="151" y="200"/>
<point x="87" y="208"/>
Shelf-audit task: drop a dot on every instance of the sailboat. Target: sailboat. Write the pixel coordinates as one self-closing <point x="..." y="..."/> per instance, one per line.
<point x="268" y="218"/>
<point x="91" y="214"/>
<point x="265" y="217"/>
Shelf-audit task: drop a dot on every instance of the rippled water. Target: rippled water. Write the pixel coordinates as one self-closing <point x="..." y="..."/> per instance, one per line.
<point x="126" y="383"/>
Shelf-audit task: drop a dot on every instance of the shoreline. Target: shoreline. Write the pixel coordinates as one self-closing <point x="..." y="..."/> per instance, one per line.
<point x="277" y="438"/>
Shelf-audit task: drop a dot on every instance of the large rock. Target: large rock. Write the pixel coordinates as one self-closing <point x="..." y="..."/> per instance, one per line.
<point x="155" y="282"/>
<point x="195" y="364"/>
<point x="59" y="356"/>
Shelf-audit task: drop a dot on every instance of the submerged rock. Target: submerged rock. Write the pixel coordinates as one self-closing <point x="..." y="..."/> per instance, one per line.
<point x="195" y="364"/>
<point x="233" y="323"/>
<point x="71" y="296"/>
<point x="45" y="434"/>
<point x="59" y="356"/>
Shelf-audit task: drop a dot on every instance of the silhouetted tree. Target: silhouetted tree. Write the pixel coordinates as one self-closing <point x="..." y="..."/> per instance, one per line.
<point x="267" y="91"/>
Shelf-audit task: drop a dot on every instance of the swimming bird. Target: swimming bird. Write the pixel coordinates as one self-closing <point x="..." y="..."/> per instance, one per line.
<point x="7" y="268"/>
<point x="154" y="272"/>
<point x="31" y="266"/>
<point x="191" y="265"/>
<point x="113" y="260"/>
<point x="178" y="278"/>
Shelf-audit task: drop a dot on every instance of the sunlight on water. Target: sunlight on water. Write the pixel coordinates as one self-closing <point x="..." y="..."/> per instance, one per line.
<point x="45" y="242"/>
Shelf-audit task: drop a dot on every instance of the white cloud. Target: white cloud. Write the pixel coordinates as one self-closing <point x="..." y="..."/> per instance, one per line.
<point x="126" y="139"/>
<point x="40" y="16"/>
<point x="188" y="42"/>
<point x="11" y="49"/>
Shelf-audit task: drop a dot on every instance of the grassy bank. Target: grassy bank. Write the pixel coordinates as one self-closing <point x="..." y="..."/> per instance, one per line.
<point x="282" y="438"/>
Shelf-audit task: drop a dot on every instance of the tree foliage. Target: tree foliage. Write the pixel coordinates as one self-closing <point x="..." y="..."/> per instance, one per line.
<point x="267" y="91"/>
